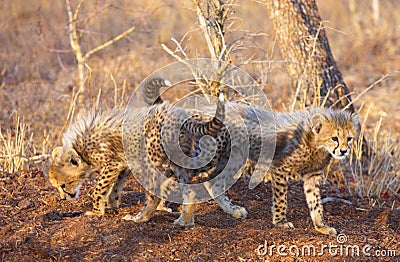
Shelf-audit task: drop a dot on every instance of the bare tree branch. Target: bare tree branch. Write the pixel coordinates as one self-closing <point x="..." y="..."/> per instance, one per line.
<point x="81" y="59"/>
<point x="108" y="43"/>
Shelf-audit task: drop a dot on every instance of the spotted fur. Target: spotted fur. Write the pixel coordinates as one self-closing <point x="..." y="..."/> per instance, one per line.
<point x="220" y="174"/>
<point x="306" y="142"/>
<point x="294" y="146"/>
<point x="93" y="144"/>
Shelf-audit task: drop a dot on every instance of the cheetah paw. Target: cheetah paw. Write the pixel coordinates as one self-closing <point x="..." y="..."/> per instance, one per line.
<point x="239" y="212"/>
<point x="137" y="219"/>
<point x="164" y="208"/>
<point x="181" y="222"/>
<point x="326" y="230"/>
<point x="285" y="225"/>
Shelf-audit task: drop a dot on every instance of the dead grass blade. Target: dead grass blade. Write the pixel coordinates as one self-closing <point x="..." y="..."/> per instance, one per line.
<point x="16" y="147"/>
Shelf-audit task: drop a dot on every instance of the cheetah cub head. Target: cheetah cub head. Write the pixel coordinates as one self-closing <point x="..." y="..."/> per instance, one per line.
<point x="335" y="131"/>
<point x="67" y="172"/>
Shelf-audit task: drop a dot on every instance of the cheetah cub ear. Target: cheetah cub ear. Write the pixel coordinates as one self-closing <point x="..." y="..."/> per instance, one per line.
<point x="57" y="153"/>
<point x="316" y="122"/>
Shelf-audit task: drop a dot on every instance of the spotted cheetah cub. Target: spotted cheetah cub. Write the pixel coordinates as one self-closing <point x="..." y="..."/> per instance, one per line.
<point x="307" y="141"/>
<point x="93" y="143"/>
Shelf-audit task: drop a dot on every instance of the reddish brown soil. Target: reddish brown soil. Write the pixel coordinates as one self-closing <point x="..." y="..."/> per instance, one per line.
<point x="36" y="226"/>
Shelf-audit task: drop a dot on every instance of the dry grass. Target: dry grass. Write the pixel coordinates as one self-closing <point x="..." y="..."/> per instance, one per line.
<point x="375" y="170"/>
<point x="14" y="148"/>
<point x="17" y="150"/>
<point x="39" y="77"/>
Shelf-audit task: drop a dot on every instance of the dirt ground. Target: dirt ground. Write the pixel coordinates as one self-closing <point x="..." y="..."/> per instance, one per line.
<point x="36" y="226"/>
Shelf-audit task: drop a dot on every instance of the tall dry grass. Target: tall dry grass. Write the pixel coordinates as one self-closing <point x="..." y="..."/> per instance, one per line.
<point x="17" y="149"/>
<point x="375" y="170"/>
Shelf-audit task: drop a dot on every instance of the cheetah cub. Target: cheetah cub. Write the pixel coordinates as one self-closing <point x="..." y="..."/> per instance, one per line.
<point x="306" y="142"/>
<point x="93" y="143"/>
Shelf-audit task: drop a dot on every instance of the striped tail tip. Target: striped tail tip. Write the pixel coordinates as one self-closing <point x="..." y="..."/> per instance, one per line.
<point x="167" y="83"/>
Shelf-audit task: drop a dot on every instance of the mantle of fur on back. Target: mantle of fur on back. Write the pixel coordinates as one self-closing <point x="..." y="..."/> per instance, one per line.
<point x="87" y="121"/>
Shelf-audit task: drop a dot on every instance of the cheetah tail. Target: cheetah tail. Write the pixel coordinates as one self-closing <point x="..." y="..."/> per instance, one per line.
<point x="198" y="129"/>
<point x="151" y="90"/>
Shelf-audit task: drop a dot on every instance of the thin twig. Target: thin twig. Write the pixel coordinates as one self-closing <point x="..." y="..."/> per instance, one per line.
<point x="204" y="28"/>
<point x="32" y="158"/>
<point x="370" y="87"/>
<point x="115" y="90"/>
<point x="171" y="53"/>
<point x="179" y="46"/>
<point x="108" y="43"/>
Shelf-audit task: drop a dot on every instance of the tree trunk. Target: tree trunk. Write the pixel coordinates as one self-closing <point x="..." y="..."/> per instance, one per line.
<point x="305" y="47"/>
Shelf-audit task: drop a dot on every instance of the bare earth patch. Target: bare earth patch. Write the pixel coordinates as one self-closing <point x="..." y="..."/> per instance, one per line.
<point x="35" y="226"/>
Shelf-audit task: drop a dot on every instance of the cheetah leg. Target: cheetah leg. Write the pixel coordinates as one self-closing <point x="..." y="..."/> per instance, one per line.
<point x="224" y="202"/>
<point x="117" y="188"/>
<point x="279" y="207"/>
<point x="186" y="219"/>
<point x="115" y="194"/>
<point x="163" y="206"/>
<point x="166" y="189"/>
<point x="103" y="190"/>
<point x="313" y="197"/>
<point x="229" y="208"/>
<point x="147" y="211"/>
<point x="217" y="189"/>
<point x="153" y="202"/>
